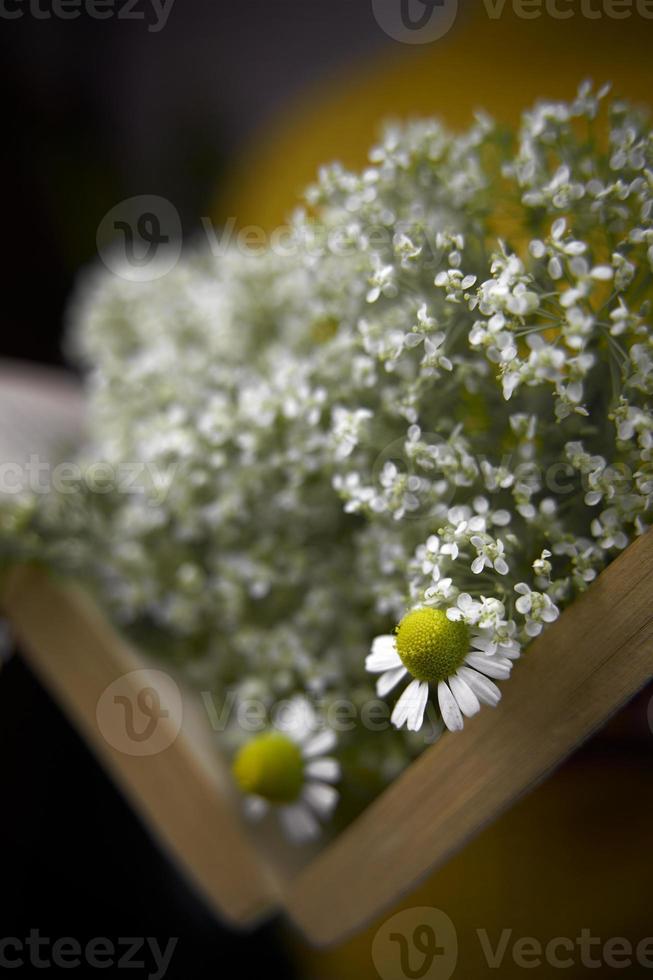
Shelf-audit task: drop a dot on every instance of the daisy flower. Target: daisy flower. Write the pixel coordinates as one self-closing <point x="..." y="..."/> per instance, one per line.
<point x="433" y="649"/>
<point x="538" y="608"/>
<point x="290" y="771"/>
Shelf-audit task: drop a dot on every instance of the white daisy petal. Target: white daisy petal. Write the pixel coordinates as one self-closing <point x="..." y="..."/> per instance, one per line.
<point x="416" y="715"/>
<point x="484" y="689"/>
<point x="320" y="744"/>
<point x="384" y="655"/>
<point x="384" y="642"/>
<point x="451" y="715"/>
<point x="320" y="797"/>
<point x="389" y="680"/>
<point x="405" y="705"/>
<point x="255" y="807"/>
<point x="492" y="666"/>
<point x="297" y="720"/>
<point x="465" y="697"/>
<point x="326" y="769"/>
<point x="299" y="822"/>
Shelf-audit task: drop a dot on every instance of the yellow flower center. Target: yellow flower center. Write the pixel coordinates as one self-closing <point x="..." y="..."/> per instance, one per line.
<point x="431" y="646"/>
<point x="270" y="766"/>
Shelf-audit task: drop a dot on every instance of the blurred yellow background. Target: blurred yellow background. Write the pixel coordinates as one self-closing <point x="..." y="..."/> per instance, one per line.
<point x="574" y="854"/>
<point x="500" y="65"/>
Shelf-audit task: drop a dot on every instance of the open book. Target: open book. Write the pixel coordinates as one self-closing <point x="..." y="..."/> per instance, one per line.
<point x="41" y="412"/>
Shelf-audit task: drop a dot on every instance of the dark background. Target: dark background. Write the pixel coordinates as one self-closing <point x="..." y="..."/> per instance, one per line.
<point x="77" y="862"/>
<point x="94" y="112"/>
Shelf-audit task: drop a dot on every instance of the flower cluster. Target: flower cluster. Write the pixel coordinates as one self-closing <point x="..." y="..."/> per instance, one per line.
<point x="428" y="421"/>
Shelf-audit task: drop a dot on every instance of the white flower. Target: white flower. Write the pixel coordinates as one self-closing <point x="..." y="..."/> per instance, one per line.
<point x="382" y="283"/>
<point x="492" y="633"/>
<point x="490" y="554"/>
<point x="346" y="428"/>
<point x="433" y="649"/>
<point x="461" y="525"/>
<point x="289" y="769"/>
<point x="542" y="566"/>
<point x="442" y="588"/>
<point x="537" y="607"/>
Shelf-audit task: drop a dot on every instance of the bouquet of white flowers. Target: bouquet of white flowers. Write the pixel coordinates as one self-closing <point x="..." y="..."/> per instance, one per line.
<point x="376" y="461"/>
